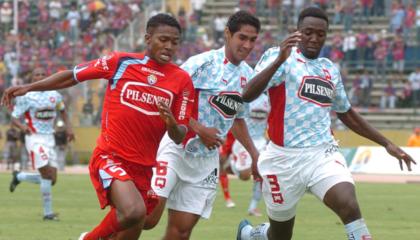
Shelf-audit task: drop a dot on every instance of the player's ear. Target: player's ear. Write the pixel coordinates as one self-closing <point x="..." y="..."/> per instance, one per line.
<point x="147" y="38"/>
<point x="228" y="34"/>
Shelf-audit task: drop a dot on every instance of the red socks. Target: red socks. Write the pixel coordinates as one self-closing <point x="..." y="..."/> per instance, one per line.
<point x="224" y="182"/>
<point x="108" y="226"/>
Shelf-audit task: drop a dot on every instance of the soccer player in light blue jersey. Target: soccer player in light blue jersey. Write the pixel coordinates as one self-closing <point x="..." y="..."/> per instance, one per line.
<point x="302" y="154"/>
<point x="187" y="174"/>
<point x="40" y="112"/>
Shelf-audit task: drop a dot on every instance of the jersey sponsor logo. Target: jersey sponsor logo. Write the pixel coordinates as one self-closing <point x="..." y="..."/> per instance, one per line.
<point x="317" y="90"/>
<point x="258" y="114"/>
<point x="154" y="72"/>
<point x="103" y="62"/>
<point x="227" y="103"/>
<point x="144" y="98"/>
<point x="45" y="114"/>
<point x="184" y="103"/>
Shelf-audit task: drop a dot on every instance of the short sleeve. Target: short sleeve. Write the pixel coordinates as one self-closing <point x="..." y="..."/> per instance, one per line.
<point x="341" y="103"/>
<point x="103" y="67"/>
<point x="266" y="59"/>
<point x="20" y="107"/>
<point x="198" y="68"/>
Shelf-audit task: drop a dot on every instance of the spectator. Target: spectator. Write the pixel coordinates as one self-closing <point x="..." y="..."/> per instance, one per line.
<point x="6" y="14"/>
<point x="338" y="12"/>
<point x="10" y="150"/>
<point x="366" y="85"/>
<point x="197" y="6"/>
<point x="414" y="140"/>
<point x="379" y="7"/>
<point x="73" y="16"/>
<point x="349" y="47"/>
<point x="348" y="14"/>
<point x="366" y="10"/>
<point x="354" y="93"/>
<point x="61" y="137"/>
<point x="398" y="52"/>
<point x="397" y="17"/>
<point x="361" y="43"/>
<point x="418" y="24"/>
<point x="55" y="10"/>
<point x="410" y="18"/>
<point x="405" y="99"/>
<point x="219" y="24"/>
<point x="414" y="79"/>
<point x="380" y="54"/>
<point x="389" y="98"/>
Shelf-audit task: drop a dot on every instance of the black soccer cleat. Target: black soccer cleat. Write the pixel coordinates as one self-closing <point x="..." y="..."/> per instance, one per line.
<point x="14" y="181"/>
<point x="51" y="217"/>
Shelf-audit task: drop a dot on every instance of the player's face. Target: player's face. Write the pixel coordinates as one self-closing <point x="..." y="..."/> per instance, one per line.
<point x="162" y="43"/>
<point x="314" y="34"/>
<point x="241" y="43"/>
<point x="38" y="74"/>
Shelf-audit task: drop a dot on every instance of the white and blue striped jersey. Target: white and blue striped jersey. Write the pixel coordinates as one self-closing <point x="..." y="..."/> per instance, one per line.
<point x="218" y="85"/>
<point x="39" y="110"/>
<point x="302" y="93"/>
<point x="257" y="117"/>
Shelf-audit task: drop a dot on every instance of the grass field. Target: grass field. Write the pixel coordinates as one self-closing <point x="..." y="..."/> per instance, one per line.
<point x="392" y="212"/>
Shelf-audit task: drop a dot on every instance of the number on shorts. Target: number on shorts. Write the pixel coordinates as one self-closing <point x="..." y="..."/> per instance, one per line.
<point x="161" y="170"/>
<point x="115" y="169"/>
<point x="275" y="189"/>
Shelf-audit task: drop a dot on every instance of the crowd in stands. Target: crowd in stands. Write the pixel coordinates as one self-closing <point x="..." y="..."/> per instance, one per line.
<point x="57" y="34"/>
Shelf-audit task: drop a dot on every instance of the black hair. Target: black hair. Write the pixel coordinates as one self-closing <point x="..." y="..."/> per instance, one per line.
<point x="162" y="19"/>
<point x="312" y="11"/>
<point x="242" y="18"/>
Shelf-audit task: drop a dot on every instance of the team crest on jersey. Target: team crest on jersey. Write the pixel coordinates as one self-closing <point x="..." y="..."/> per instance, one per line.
<point x="151" y="79"/>
<point x="243" y="81"/>
<point x="317" y="90"/>
<point x="227" y="103"/>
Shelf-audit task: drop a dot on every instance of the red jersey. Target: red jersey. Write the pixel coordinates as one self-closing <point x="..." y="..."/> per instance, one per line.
<point x="131" y="125"/>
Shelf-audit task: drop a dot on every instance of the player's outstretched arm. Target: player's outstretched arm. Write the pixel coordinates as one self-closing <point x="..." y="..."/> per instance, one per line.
<point x="260" y="81"/>
<point x="209" y="136"/>
<point x="176" y="132"/>
<point x="240" y="131"/>
<point x="360" y="126"/>
<point x="58" y="80"/>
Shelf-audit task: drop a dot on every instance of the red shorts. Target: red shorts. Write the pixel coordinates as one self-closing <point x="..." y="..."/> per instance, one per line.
<point x="104" y="168"/>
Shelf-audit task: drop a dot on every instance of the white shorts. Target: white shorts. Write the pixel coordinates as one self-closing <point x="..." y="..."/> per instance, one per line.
<point x="241" y="159"/>
<point x="195" y="198"/>
<point x="41" y="150"/>
<point x="289" y="172"/>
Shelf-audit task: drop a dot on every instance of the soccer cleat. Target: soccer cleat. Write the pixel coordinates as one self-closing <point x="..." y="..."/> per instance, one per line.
<point x="51" y="217"/>
<point x="254" y="212"/>
<point x="14" y="181"/>
<point x="241" y="226"/>
<point x="82" y="236"/>
<point x="230" y="203"/>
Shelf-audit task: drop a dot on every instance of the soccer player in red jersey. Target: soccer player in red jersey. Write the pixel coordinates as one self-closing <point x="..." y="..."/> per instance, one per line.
<point x="146" y="96"/>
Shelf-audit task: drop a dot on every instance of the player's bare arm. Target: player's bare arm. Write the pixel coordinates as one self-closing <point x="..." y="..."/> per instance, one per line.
<point x="67" y="123"/>
<point x="23" y="127"/>
<point x="58" y="80"/>
<point x="240" y="131"/>
<point x="360" y="126"/>
<point x="208" y="135"/>
<point x="176" y="132"/>
<point x="260" y="81"/>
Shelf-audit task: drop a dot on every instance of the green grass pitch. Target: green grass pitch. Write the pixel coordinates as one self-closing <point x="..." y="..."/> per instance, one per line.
<point x="392" y="211"/>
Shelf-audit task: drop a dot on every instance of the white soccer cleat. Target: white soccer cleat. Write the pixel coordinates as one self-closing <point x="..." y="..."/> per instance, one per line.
<point x="230" y="203"/>
<point x="82" y="236"/>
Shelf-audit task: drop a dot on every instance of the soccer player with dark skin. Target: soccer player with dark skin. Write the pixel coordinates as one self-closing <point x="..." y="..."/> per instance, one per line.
<point x="147" y="95"/>
<point x="299" y="53"/>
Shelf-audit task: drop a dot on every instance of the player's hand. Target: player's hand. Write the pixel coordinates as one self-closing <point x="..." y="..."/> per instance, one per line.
<point x="286" y="45"/>
<point x="399" y="154"/>
<point x="12" y="92"/>
<point x="209" y="136"/>
<point x="70" y="135"/>
<point x="27" y="130"/>
<point x="166" y="114"/>
<point x="254" y="168"/>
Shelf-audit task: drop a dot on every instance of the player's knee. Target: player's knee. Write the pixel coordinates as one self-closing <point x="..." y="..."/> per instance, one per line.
<point x="133" y="215"/>
<point x="349" y="210"/>
<point x="183" y="234"/>
<point x="150" y="223"/>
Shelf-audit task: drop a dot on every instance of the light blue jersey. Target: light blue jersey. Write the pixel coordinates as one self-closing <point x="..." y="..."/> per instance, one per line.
<point x="40" y="110"/>
<point x="302" y="94"/>
<point x="257" y="118"/>
<point x="218" y="85"/>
